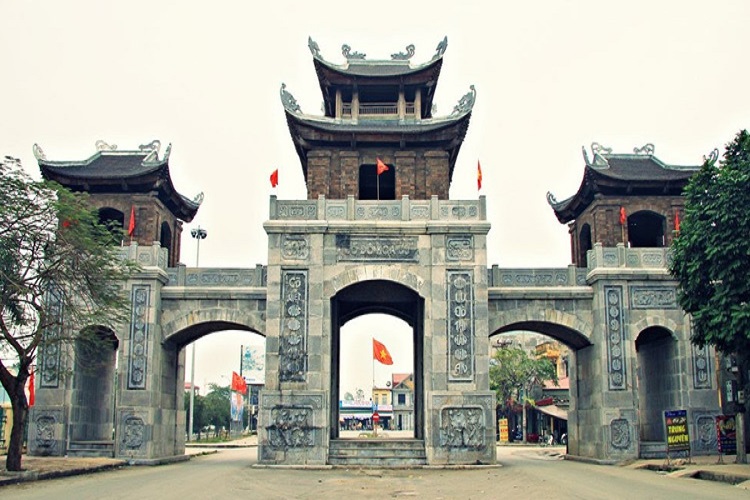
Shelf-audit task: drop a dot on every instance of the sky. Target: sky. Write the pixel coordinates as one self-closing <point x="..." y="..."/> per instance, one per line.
<point x="551" y="76"/>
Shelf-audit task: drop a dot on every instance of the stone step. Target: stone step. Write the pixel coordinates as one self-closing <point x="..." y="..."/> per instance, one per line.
<point x="91" y="448"/>
<point x="653" y="449"/>
<point x="377" y="452"/>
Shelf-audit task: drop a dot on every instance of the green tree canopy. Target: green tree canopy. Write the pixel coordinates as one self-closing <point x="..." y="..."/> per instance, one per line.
<point x="711" y="253"/>
<point x="52" y="249"/>
<point x="511" y="369"/>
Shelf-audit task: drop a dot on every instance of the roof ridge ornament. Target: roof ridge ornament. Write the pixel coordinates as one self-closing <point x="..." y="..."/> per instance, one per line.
<point x="598" y="150"/>
<point x="646" y="149"/>
<point x="104" y="146"/>
<point x="551" y="199"/>
<point x="314" y="48"/>
<point x="404" y="56"/>
<point x="466" y="103"/>
<point x="288" y="100"/>
<point x="346" y="50"/>
<point x="152" y="148"/>
<point x="38" y="152"/>
<point x="198" y="198"/>
<point x="440" y="49"/>
<point x="712" y="157"/>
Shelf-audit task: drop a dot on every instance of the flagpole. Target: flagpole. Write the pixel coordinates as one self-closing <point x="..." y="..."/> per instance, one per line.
<point x="377" y="177"/>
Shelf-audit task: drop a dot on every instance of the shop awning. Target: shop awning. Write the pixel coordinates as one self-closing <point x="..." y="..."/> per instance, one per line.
<point x="554" y="411"/>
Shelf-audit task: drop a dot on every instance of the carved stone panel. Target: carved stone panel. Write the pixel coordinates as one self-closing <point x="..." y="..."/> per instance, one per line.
<point x="50" y="348"/>
<point x="44" y="438"/>
<point x="460" y="326"/>
<point x="701" y="367"/>
<point x="619" y="434"/>
<point x="376" y="249"/>
<point x="292" y="427"/>
<point x="295" y="247"/>
<point x="293" y="336"/>
<point x="138" y="363"/>
<point x="459" y="248"/>
<point x="133" y="435"/>
<point x="615" y="337"/>
<point x="462" y="427"/>
<point x="653" y="297"/>
<point x="705" y="433"/>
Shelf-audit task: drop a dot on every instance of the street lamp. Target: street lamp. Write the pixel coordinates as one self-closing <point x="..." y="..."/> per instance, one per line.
<point x="199" y="234"/>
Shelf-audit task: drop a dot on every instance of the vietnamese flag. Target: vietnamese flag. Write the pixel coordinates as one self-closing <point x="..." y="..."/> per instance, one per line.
<point x="131" y="225"/>
<point x="479" y="176"/>
<point x="623" y="217"/>
<point x="382" y="167"/>
<point x="380" y="353"/>
<point x="238" y="383"/>
<point x="275" y="178"/>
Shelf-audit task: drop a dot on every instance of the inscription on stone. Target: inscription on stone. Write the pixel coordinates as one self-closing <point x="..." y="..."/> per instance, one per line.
<point x="50" y="349"/>
<point x="291" y="427"/>
<point x="462" y="427"/>
<point x="295" y="247"/>
<point x="459" y="248"/>
<point x="140" y="298"/>
<point x="461" y="326"/>
<point x="376" y="249"/>
<point x="701" y="367"/>
<point x="652" y="297"/>
<point x="292" y="341"/>
<point x="615" y="337"/>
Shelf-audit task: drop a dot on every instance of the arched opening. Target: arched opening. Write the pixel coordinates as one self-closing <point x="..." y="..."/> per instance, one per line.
<point x="112" y="218"/>
<point x="377" y="187"/>
<point x="658" y="379"/>
<point x="368" y="299"/>
<point x="646" y="229"/>
<point x="540" y="410"/>
<point x="584" y="245"/>
<point x="93" y="392"/>
<point x="165" y="240"/>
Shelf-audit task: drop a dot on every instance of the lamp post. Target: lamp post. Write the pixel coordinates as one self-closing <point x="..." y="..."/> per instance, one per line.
<point x="199" y="234"/>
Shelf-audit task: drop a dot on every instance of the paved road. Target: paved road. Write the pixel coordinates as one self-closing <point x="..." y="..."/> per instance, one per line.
<point x="525" y="473"/>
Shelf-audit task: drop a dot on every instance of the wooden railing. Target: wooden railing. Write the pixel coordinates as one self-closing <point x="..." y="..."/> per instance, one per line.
<point x="377" y="109"/>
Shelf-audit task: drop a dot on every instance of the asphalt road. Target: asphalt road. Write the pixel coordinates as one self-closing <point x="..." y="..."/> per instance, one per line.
<point x="524" y="473"/>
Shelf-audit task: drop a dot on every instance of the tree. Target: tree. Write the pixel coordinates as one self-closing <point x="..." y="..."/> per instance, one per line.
<point x="51" y="246"/>
<point x="711" y="256"/>
<point x="217" y="407"/>
<point x="513" y="373"/>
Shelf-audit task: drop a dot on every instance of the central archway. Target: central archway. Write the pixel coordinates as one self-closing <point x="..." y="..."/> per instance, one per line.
<point x="386" y="297"/>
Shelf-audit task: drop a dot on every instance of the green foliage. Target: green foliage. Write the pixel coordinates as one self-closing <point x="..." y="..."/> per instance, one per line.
<point x="52" y="248"/>
<point x="511" y="369"/>
<point x="217" y="407"/>
<point x="711" y="254"/>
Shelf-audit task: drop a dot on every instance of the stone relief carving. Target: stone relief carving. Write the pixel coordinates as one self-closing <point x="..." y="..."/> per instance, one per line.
<point x="133" y="432"/>
<point x="50" y="349"/>
<point x="461" y="326"/>
<point x="373" y="248"/>
<point x="45" y="431"/>
<point x="701" y="367"/>
<point x="288" y="100"/>
<point x="462" y="427"/>
<point x="652" y="297"/>
<point x="458" y="248"/>
<point x="295" y="247"/>
<point x="404" y="56"/>
<point x="705" y="429"/>
<point x="615" y="337"/>
<point x="292" y="341"/>
<point x="141" y="300"/>
<point x="619" y="434"/>
<point x="291" y="427"/>
<point x="297" y="211"/>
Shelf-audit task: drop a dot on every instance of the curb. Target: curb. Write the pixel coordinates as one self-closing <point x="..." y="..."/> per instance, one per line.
<point x="23" y="477"/>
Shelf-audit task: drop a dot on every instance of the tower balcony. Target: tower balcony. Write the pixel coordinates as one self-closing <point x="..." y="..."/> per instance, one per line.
<point x="378" y="111"/>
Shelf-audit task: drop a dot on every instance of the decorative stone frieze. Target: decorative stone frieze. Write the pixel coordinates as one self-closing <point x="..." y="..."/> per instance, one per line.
<point x="653" y="297"/>
<point x="376" y="248"/>
<point x="292" y="341"/>
<point x="291" y="428"/>
<point x="295" y="247"/>
<point x="138" y="362"/>
<point x="459" y="248"/>
<point x="615" y="337"/>
<point x="460" y="326"/>
<point x="462" y="427"/>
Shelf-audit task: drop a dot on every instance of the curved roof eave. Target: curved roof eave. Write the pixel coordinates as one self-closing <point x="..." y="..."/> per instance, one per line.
<point x="380" y="126"/>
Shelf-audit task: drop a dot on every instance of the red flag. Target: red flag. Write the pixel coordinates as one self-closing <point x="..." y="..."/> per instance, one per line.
<point x="131" y="225"/>
<point x="32" y="391"/>
<point x="380" y="353"/>
<point x="623" y="217"/>
<point x="275" y="178"/>
<point x="479" y="176"/>
<point x="677" y="221"/>
<point x="382" y="167"/>
<point x="238" y="383"/>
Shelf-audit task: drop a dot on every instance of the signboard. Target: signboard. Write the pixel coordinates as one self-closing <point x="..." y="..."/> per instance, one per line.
<point x="503" y="422"/>
<point x="678" y="438"/>
<point x="726" y="434"/>
<point x="253" y="364"/>
<point x="236" y="406"/>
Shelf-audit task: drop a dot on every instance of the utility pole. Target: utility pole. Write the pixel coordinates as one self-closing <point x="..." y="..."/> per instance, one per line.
<point x="199" y="234"/>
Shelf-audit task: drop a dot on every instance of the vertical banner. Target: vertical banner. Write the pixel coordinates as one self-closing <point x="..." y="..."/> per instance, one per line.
<point x="503" y="430"/>
<point x="678" y="438"/>
<point x="726" y="434"/>
<point x="237" y="406"/>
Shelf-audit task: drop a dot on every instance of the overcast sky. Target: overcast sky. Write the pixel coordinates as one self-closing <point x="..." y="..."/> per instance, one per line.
<point x="551" y="76"/>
